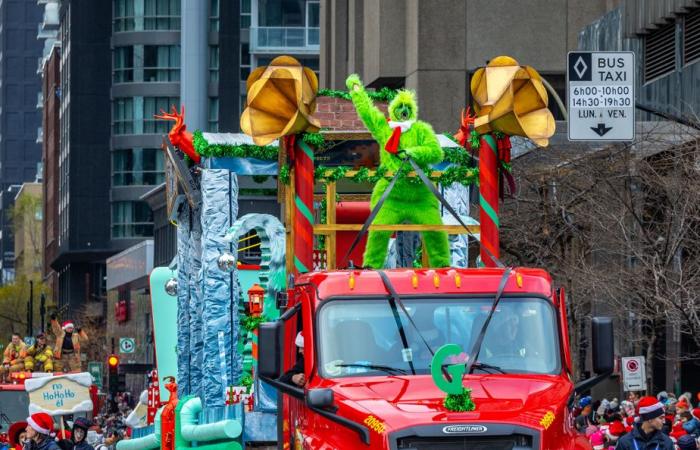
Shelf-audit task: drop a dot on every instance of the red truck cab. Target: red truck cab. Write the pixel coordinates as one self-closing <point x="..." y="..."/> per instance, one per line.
<point x="367" y="360"/>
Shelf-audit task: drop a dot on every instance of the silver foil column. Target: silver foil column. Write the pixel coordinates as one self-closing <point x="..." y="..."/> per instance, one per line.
<point x="195" y="306"/>
<point x="222" y="362"/>
<point x="183" y="301"/>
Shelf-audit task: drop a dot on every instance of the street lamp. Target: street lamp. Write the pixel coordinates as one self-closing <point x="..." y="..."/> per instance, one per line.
<point x="256" y="296"/>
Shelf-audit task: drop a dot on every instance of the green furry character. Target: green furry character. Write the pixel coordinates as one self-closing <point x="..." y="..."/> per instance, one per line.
<point x="408" y="202"/>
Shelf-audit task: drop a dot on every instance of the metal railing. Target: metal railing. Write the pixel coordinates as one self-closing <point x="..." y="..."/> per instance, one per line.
<point x="274" y="39"/>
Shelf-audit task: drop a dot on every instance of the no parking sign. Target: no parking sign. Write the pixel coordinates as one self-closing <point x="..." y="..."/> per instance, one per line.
<point x="634" y="373"/>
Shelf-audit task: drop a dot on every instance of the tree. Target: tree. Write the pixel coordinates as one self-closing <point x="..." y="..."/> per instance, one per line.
<point x="620" y="228"/>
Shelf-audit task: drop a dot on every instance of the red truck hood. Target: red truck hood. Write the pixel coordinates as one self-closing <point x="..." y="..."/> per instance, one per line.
<point x="399" y="401"/>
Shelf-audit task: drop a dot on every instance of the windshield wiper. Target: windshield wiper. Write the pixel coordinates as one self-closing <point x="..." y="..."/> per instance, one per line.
<point x="481" y="366"/>
<point x="387" y="369"/>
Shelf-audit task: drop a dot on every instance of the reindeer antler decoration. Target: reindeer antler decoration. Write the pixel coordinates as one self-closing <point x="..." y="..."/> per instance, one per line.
<point x="179" y="136"/>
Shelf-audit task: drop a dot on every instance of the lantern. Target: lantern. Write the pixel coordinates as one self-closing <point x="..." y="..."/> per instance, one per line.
<point x="256" y="296"/>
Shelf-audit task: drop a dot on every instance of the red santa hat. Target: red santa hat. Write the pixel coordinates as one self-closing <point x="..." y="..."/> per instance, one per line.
<point x="615" y="430"/>
<point x="67" y="324"/>
<point x="650" y="408"/>
<point x="41" y="422"/>
<point x="696" y="413"/>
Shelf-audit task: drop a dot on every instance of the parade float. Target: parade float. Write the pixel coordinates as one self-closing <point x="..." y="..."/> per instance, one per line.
<point x="405" y="346"/>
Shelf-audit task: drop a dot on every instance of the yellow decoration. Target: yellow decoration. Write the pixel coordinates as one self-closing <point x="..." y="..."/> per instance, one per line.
<point x="281" y="101"/>
<point x="351" y="281"/>
<point x="511" y="99"/>
<point x="414" y="280"/>
<point x="547" y="420"/>
<point x="436" y="280"/>
<point x="519" y="279"/>
<point x="375" y="424"/>
<point x="458" y="280"/>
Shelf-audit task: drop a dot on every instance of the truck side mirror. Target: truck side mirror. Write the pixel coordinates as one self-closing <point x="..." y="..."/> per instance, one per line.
<point x="319" y="398"/>
<point x="270" y="349"/>
<point x="603" y="345"/>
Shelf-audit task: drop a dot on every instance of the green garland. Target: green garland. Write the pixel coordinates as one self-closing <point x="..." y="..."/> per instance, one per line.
<point x="204" y="148"/>
<point x="247" y="382"/>
<point x="314" y="139"/>
<point x="460" y="402"/>
<point x="453" y="174"/>
<point x="284" y="174"/>
<point x="384" y="94"/>
<point x="251" y="323"/>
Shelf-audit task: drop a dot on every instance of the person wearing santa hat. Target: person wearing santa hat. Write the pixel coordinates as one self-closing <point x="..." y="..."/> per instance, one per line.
<point x="615" y="431"/>
<point x="646" y="433"/>
<point x="39" y="429"/>
<point x="295" y="375"/>
<point x="68" y="341"/>
<point x="691" y="421"/>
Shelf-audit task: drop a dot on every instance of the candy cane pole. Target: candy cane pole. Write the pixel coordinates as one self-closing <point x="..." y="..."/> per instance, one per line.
<point x="488" y="199"/>
<point x="303" y="207"/>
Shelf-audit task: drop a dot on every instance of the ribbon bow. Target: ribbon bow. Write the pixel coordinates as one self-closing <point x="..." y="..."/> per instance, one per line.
<point x="465" y="128"/>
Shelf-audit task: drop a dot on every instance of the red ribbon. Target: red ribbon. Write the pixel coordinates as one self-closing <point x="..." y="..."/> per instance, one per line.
<point x="392" y="145"/>
<point x="464" y="132"/>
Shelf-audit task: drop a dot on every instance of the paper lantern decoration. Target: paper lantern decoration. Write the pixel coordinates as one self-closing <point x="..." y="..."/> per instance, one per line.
<point x="281" y="101"/>
<point x="511" y="99"/>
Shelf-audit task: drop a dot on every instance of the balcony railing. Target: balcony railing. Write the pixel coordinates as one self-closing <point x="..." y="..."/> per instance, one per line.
<point x="284" y="39"/>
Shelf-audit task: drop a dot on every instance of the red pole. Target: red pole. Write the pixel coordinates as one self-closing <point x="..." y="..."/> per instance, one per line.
<point x="488" y="199"/>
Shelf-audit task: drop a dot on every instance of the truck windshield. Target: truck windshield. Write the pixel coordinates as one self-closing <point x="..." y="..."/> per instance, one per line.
<point x="361" y="337"/>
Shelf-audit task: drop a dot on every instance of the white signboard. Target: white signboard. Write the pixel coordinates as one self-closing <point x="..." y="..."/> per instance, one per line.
<point x="634" y="373"/>
<point x="59" y="395"/>
<point x="127" y="345"/>
<point x="601" y="96"/>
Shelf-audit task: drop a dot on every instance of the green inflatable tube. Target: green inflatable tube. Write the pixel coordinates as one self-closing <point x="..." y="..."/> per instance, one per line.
<point x="148" y="442"/>
<point x="187" y="431"/>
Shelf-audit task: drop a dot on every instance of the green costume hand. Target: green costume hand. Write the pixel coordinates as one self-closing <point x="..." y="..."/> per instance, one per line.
<point x="353" y="82"/>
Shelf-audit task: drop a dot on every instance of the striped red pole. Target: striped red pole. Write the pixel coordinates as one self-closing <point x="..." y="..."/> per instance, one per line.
<point x="303" y="207"/>
<point x="488" y="199"/>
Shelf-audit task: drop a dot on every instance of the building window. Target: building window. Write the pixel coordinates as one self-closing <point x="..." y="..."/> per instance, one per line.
<point x="161" y="63"/>
<point x="245" y="61"/>
<point x="123" y="116"/>
<point x="245" y="14"/>
<point x="137" y="167"/>
<point x="161" y="15"/>
<point x="153" y="106"/>
<point x="213" y="15"/>
<point x="131" y="220"/>
<point x="213" y="63"/>
<point x="124" y="17"/>
<point x="213" y="114"/>
<point x="123" y="64"/>
<point x="660" y="52"/>
<point x="691" y="37"/>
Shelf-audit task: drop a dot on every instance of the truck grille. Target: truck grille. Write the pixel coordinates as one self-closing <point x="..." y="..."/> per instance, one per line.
<point x="513" y="442"/>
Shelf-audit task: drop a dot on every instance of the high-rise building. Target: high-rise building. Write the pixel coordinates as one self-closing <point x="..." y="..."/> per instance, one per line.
<point x="20" y="131"/>
<point x="79" y="161"/>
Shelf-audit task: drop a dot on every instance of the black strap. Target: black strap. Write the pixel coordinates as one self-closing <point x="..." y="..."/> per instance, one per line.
<point x="436" y="193"/>
<point x="372" y="215"/>
<point x="476" y="348"/>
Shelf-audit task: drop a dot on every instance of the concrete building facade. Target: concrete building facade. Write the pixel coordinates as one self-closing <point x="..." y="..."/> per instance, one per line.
<point x="433" y="46"/>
